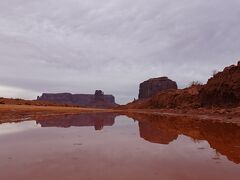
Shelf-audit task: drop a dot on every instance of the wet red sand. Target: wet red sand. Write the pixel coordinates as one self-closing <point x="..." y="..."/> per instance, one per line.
<point x="120" y="149"/>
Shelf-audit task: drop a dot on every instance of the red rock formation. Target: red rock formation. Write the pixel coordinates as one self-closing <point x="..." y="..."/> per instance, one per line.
<point x="183" y="98"/>
<point x="180" y="98"/>
<point x="98" y="100"/>
<point x="153" y="86"/>
<point x="223" y="89"/>
<point x="99" y="95"/>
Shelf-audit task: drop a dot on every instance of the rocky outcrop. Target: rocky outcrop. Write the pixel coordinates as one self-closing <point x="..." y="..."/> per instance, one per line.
<point x="99" y="95"/>
<point x="97" y="100"/>
<point x="153" y="86"/>
<point x="180" y="98"/>
<point x="223" y="89"/>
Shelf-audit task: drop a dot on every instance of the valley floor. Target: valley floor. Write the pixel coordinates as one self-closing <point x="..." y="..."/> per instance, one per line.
<point x="11" y="113"/>
<point x="230" y="115"/>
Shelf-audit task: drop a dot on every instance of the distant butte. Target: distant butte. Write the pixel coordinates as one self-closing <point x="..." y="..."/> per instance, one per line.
<point x="153" y="86"/>
<point x="97" y="100"/>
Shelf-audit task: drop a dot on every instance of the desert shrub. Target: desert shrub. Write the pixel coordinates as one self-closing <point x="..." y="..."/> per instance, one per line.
<point x="195" y="83"/>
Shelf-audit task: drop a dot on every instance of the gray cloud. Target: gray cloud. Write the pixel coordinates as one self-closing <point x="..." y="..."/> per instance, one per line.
<point x="79" y="46"/>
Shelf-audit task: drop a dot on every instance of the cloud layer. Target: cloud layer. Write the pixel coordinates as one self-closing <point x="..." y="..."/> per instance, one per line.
<point x="79" y="46"/>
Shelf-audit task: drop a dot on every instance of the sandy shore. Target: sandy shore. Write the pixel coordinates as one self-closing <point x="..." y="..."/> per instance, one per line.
<point x="231" y="115"/>
<point x="10" y="113"/>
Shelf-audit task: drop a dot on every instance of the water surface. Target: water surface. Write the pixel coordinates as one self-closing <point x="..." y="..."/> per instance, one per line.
<point x="107" y="146"/>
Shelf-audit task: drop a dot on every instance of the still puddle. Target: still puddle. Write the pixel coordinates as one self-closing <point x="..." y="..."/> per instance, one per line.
<point x="107" y="146"/>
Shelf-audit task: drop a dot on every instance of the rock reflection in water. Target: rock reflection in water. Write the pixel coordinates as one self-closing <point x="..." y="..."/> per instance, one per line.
<point x="223" y="137"/>
<point x="97" y="120"/>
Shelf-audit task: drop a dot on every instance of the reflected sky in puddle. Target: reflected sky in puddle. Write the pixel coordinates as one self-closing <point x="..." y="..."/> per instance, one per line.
<point x="11" y="128"/>
<point x="107" y="146"/>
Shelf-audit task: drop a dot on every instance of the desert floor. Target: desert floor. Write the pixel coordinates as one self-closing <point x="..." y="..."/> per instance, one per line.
<point x="11" y="113"/>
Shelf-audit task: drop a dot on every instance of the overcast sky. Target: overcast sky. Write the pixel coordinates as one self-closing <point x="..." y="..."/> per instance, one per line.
<point x="81" y="45"/>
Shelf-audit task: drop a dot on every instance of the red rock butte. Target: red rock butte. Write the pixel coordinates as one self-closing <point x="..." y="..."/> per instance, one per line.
<point x="153" y="86"/>
<point x="97" y="100"/>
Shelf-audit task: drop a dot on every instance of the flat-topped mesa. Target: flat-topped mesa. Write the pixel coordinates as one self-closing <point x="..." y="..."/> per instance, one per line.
<point x="98" y="100"/>
<point x="64" y="98"/>
<point x="153" y="86"/>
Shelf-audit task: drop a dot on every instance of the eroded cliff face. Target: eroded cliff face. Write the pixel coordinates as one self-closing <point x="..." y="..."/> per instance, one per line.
<point x="223" y="89"/>
<point x="180" y="98"/>
<point x="97" y="100"/>
<point x="153" y="86"/>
